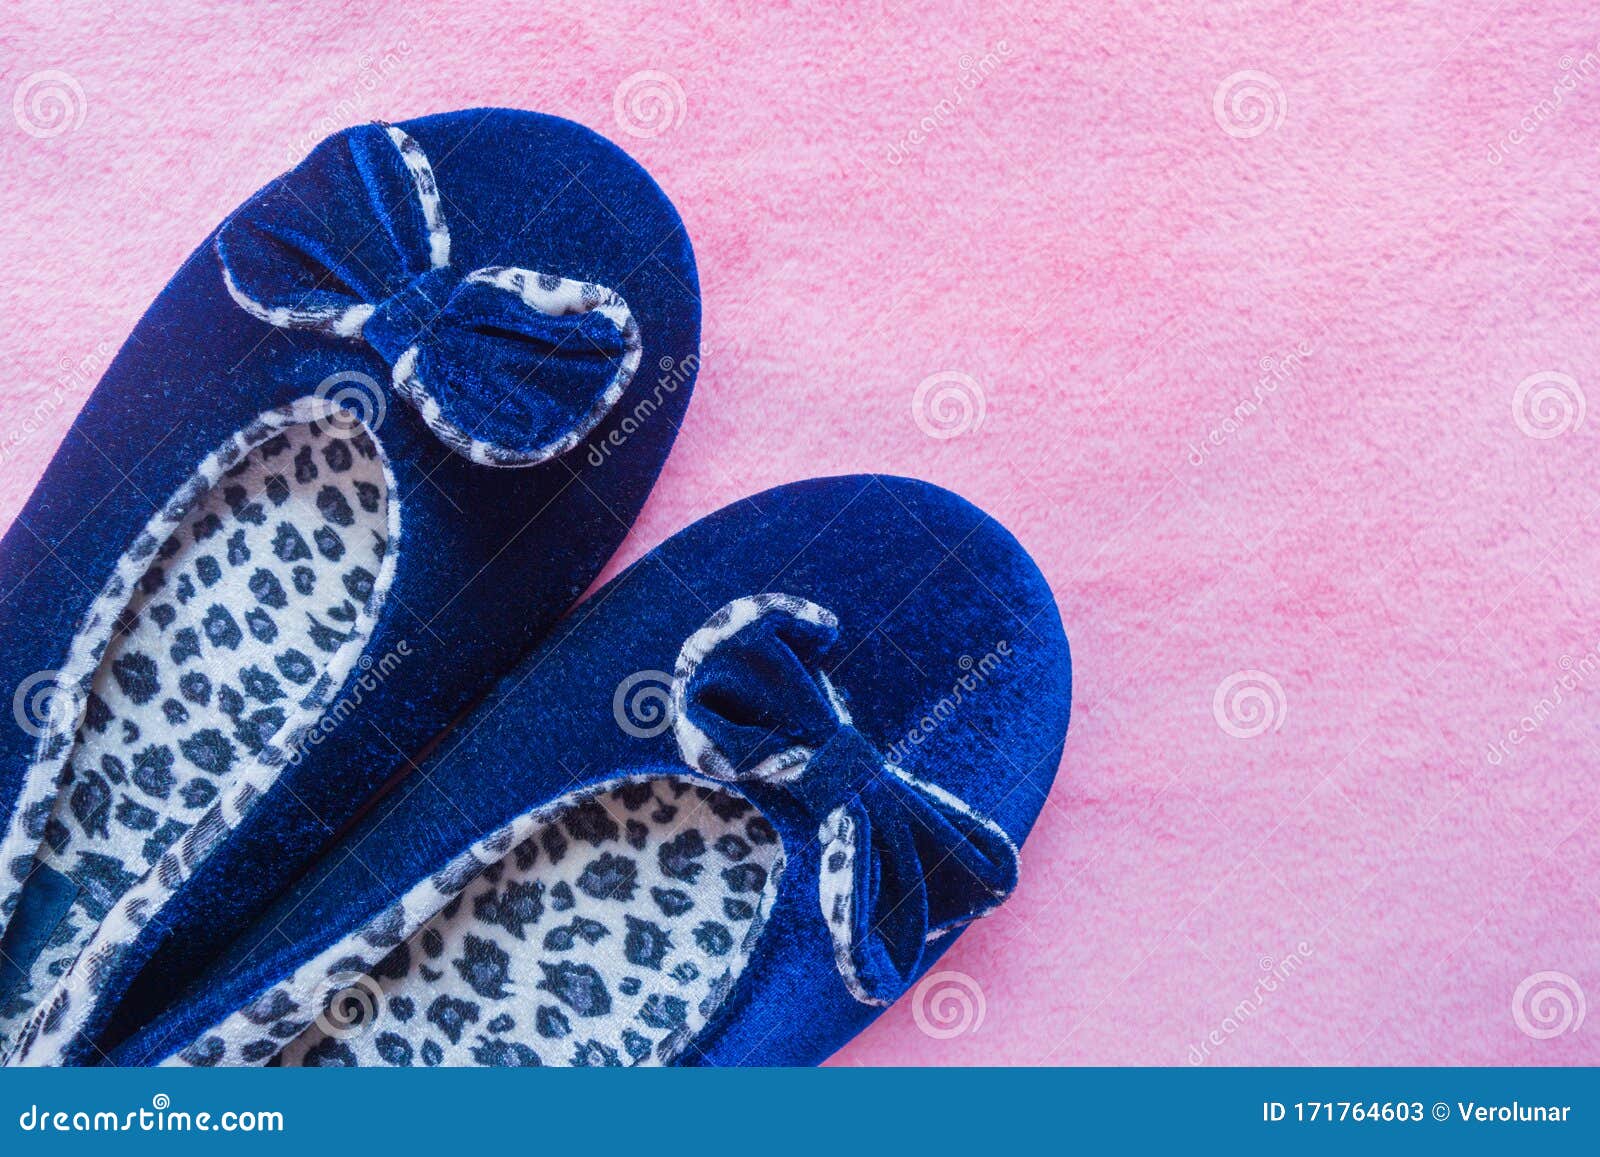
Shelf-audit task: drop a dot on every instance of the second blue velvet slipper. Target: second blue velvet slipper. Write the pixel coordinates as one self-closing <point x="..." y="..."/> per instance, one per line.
<point x="738" y="804"/>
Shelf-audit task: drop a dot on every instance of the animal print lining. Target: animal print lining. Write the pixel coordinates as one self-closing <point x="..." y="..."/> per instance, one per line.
<point x="247" y="615"/>
<point x="603" y="931"/>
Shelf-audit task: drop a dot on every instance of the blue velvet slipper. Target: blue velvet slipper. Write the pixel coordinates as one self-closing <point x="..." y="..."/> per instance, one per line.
<point x="279" y="549"/>
<point x="734" y="806"/>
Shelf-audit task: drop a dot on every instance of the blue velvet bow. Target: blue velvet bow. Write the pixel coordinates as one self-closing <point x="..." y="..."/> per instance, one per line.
<point x="507" y="366"/>
<point x="903" y="862"/>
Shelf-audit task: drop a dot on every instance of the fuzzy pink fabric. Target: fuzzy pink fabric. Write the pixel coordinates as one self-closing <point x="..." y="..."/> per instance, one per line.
<point x="1281" y="318"/>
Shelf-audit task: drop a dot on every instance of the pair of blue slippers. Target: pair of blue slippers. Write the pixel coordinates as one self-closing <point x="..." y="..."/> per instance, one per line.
<point x="341" y="490"/>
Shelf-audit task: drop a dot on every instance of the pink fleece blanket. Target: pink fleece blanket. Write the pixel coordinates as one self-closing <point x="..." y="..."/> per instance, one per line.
<point x="1267" y="327"/>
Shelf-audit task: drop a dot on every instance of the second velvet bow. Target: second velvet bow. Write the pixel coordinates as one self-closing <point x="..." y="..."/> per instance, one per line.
<point x="903" y="861"/>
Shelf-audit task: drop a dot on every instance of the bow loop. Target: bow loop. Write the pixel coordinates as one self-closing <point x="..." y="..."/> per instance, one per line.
<point x="968" y="861"/>
<point x="749" y="695"/>
<point x="902" y="861"/>
<point x="335" y="235"/>
<point x="501" y="327"/>
<point x="508" y="367"/>
<point x="873" y="895"/>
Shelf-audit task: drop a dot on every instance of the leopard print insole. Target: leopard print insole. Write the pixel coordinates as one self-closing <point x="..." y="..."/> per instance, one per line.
<point x="225" y="643"/>
<point x="607" y="937"/>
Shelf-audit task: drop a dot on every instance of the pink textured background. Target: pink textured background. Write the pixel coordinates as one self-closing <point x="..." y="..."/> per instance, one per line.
<point x="1082" y="237"/>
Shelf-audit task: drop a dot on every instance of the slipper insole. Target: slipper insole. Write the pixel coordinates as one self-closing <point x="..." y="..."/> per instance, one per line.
<point x="608" y="936"/>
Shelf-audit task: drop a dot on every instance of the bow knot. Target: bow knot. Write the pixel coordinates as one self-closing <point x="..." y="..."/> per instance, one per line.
<point x="843" y="768"/>
<point x="903" y="862"/>
<point x="408" y="315"/>
<point x="507" y="366"/>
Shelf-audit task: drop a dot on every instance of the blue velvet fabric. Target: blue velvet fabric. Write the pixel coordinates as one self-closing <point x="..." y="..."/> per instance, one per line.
<point x="488" y="558"/>
<point x="40" y="910"/>
<point x="949" y="653"/>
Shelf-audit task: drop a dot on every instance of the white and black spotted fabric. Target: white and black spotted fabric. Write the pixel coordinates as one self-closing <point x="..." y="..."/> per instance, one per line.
<point x="229" y="641"/>
<point x="607" y="933"/>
